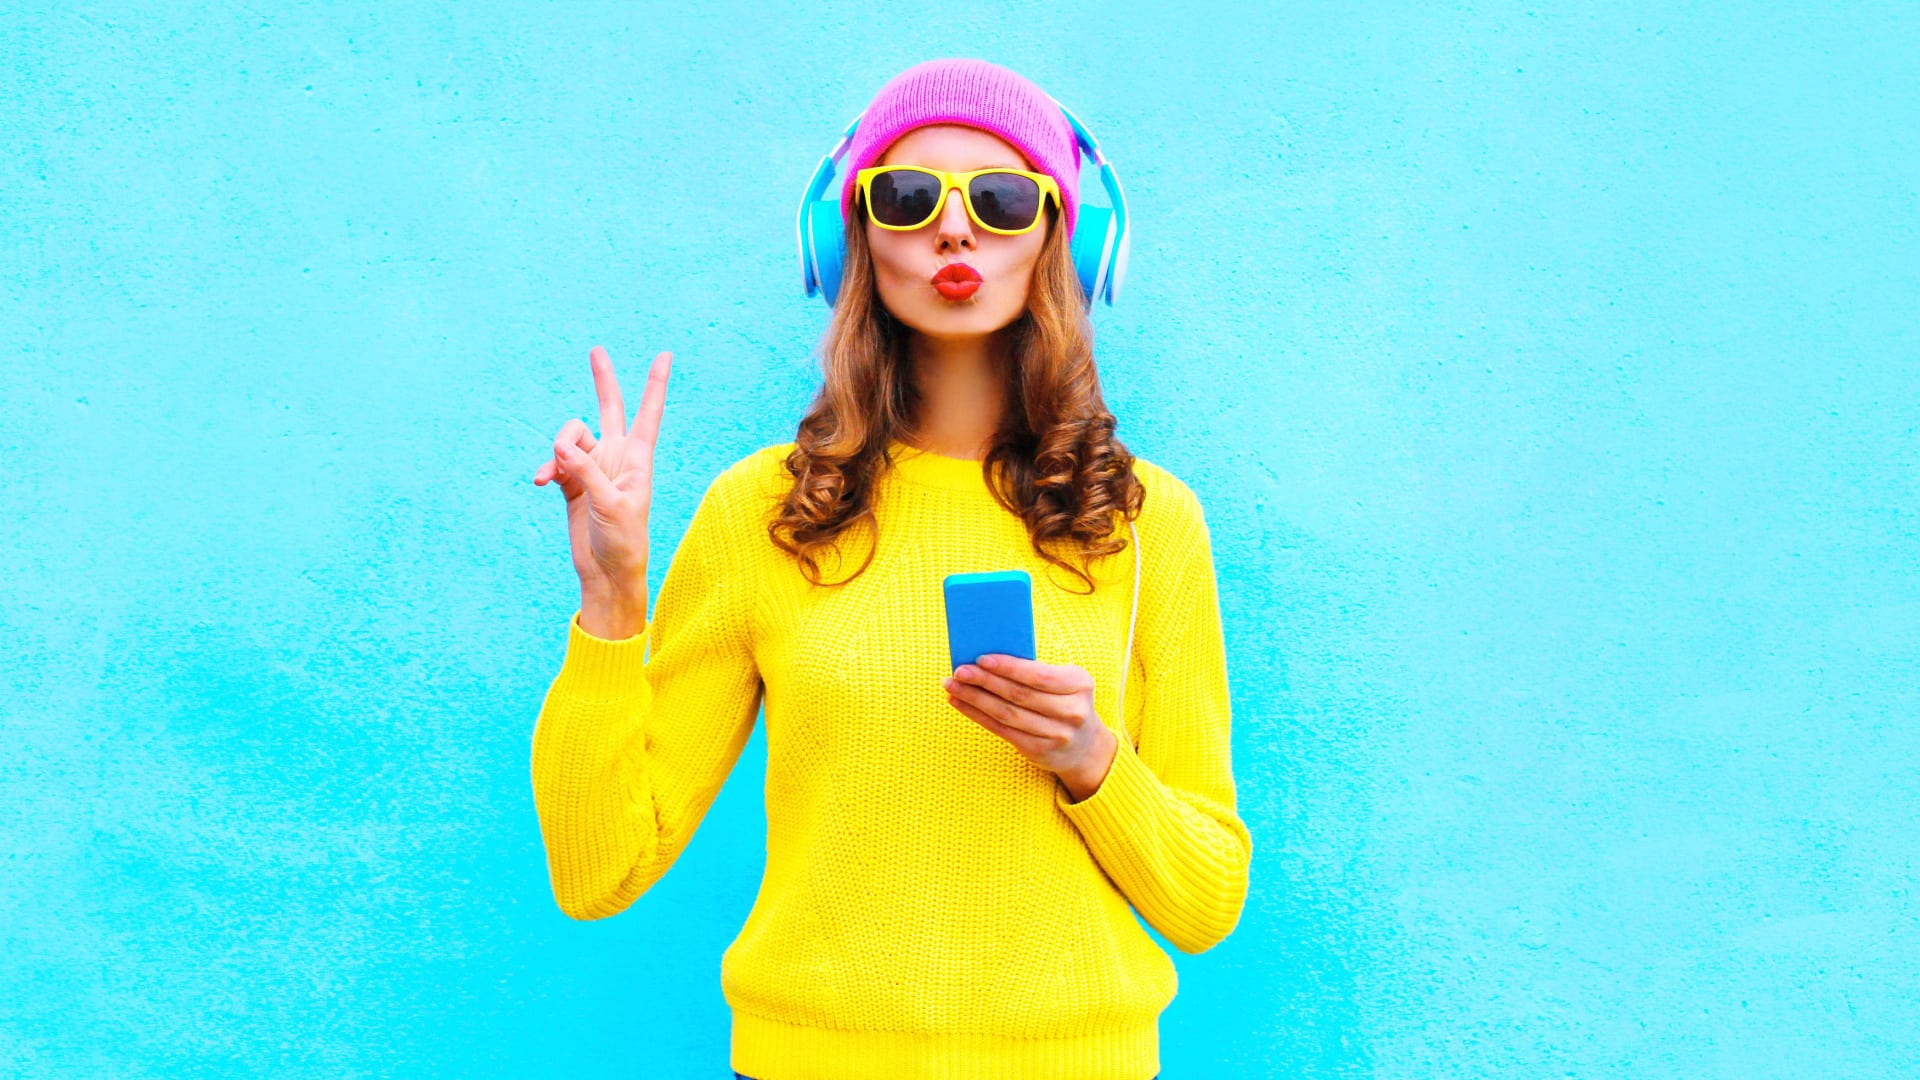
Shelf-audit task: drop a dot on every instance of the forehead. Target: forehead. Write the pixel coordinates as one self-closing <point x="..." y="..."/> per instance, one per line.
<point x="953" y="147"/>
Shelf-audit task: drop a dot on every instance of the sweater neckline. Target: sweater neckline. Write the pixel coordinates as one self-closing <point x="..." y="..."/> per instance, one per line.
<point x="929" y="469"/>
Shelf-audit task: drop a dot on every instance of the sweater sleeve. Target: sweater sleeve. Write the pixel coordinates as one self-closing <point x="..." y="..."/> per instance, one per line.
<point x="630" y="750"/>
<point x="1163" y="823"/>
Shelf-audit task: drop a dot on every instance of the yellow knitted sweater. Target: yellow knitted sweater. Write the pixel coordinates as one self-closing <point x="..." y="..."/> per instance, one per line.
<point x="933" y="903"/>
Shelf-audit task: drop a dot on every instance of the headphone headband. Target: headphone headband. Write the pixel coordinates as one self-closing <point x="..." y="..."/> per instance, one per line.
<point x="1100" y="242"/>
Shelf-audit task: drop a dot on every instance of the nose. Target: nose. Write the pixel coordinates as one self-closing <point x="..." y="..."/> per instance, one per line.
<point x="956" y="226"/>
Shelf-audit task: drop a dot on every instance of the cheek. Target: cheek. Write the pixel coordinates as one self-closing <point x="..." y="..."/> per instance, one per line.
<point x="890" y="263"/>
<point x="1023" y="263"/>
<point x="1026" y="251"/>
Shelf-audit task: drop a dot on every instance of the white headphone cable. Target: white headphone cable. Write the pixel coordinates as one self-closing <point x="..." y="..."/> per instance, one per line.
<point x="1126" y="662"/>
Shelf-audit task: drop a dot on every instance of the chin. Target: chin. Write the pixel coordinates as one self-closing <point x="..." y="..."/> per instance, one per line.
<point x="945" y="318"/>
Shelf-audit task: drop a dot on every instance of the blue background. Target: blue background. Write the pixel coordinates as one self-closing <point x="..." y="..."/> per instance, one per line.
<point x="1548" y="377"/>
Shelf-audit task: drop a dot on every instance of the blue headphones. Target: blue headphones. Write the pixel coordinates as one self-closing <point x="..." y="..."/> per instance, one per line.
<point x="1099" y="243"/>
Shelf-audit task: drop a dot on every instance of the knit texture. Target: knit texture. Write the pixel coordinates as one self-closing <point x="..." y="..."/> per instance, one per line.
<point x="978" y="94"/>
<point x="933" y="903"/>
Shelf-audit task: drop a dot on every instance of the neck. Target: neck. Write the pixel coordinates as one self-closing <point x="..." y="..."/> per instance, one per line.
<point x="962" y="385"/>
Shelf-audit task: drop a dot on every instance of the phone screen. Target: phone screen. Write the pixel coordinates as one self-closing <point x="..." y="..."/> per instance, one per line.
<point x="989" y="612"/>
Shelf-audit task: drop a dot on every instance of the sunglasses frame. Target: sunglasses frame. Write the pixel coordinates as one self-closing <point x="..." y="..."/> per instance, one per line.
<point x="950" y="181"/>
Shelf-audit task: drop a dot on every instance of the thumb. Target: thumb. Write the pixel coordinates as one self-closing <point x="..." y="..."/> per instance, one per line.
<point x="583" y="468"/>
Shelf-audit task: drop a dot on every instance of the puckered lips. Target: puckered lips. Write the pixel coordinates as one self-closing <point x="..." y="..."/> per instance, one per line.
<point x="956" y="280"/>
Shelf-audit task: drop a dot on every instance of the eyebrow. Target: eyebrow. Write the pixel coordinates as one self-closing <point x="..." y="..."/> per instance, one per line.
<point x="975" y="168"/>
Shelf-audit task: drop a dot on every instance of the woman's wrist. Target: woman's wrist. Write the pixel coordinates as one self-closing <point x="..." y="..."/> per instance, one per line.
<point x="1084" y="782"/>
<point x="613" y="614"/>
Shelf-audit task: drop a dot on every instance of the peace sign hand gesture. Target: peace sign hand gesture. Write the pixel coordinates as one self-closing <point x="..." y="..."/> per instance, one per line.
<point x="608" y="483"/>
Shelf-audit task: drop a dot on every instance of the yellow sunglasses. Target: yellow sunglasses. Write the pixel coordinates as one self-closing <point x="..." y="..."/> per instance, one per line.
<point x="1000" y="200"/>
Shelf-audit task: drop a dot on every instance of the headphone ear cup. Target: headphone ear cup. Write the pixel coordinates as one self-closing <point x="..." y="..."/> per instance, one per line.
<point x="1093" y="236"/>
<point x="826" y="245"/>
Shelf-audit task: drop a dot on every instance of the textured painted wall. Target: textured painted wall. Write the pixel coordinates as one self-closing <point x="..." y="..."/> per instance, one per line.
<point x="1549" y="379"/>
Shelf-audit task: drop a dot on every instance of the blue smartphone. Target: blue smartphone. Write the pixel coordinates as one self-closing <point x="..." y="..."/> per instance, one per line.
<point x="989" y="613"/>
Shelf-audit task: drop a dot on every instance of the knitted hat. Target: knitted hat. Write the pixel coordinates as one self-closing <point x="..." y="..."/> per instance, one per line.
<point x="978" y="94"/>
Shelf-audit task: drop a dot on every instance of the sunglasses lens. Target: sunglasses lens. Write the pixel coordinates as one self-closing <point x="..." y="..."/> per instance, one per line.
<point x="1005" y="200"/>
<point x="903" y="197"/>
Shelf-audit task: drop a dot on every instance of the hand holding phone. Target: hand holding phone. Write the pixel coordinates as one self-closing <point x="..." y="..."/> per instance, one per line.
<point x="1054" y="725"/>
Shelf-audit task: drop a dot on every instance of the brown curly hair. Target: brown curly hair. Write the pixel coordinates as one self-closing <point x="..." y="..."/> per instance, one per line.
<point x="1055" y="461"/>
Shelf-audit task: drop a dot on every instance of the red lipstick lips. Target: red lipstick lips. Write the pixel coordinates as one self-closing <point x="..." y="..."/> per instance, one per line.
<point x="956" y="281"/>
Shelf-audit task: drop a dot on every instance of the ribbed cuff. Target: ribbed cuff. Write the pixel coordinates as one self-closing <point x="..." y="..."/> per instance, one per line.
<point x="1128" y="796"/>
<point x="1142" y="834"/>
<point x="601" y="669"/>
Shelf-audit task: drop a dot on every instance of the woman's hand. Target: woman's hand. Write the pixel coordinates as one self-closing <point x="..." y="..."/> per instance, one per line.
<point x="1044" y="710"/>
<point x="608" y="483"/>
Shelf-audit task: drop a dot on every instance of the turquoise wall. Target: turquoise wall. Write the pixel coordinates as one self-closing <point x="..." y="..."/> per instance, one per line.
<point x="1548" y="376"/>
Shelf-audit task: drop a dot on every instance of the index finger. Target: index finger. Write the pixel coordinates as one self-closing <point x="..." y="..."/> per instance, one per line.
<point x="1053" y="678"/>
<point x="613" y="411"/>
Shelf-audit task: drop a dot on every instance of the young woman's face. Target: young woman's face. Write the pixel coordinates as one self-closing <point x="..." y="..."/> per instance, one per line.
<point x="904" y="262"/>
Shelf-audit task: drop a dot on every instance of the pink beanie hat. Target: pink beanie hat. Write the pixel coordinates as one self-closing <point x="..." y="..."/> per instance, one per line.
<point x="977" y="94"/>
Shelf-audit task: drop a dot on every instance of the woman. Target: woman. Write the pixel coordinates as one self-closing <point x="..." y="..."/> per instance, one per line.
<point x="951" y="854"/>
